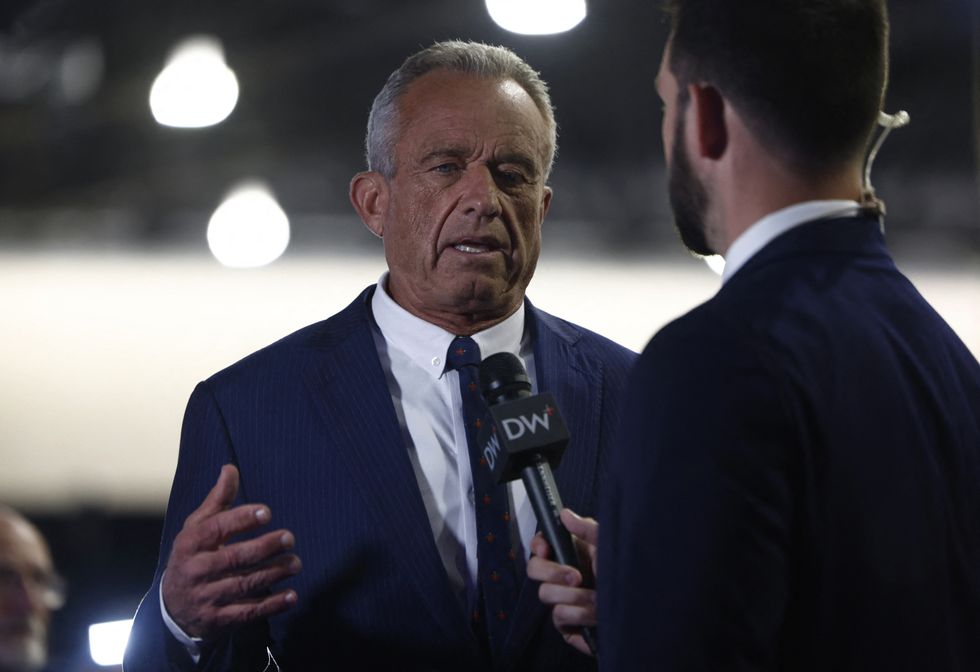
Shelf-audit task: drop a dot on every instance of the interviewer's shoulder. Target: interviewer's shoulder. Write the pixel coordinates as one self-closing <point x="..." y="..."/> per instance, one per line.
<point x="702" y="340"/>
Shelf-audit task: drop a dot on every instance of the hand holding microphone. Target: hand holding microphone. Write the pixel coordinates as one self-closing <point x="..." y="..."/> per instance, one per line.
<point x="565" y="589"/>
<point x="526" y="440"/>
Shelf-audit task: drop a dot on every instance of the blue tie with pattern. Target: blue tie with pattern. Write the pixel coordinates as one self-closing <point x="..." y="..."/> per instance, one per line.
<point x="496" y="559"/>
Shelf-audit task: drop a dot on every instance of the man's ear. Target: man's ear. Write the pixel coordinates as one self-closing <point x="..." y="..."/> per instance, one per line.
<point x="369" y="196"/>
<point x="708" y="107"/>
<point x="546" y="201"/>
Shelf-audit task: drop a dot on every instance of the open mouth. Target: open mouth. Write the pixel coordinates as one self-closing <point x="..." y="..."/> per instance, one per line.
<point x="472" y="249"/>
<point x="476" y="246"/>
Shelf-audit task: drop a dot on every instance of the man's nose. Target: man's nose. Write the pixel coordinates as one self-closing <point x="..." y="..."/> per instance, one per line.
<point x="481" y="197"/>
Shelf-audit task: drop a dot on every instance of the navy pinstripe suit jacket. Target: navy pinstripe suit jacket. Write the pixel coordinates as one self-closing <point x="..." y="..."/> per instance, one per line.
<point x="310" y="423"/>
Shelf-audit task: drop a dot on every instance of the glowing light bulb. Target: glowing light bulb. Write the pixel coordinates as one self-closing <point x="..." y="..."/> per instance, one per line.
<point x="248" y="229"/>
<point x="537" y="17"/>
<point x="196" y="88"/>
<point x="107" y="641"/>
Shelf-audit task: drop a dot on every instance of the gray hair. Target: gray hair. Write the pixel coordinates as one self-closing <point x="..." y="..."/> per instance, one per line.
<point x="472" y="58"/>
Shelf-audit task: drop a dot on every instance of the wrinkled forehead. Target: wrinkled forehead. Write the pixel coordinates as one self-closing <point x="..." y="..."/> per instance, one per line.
<point x="445" y="101"/>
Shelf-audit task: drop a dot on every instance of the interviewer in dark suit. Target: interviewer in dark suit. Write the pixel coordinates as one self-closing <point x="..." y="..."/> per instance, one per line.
<point x="797" y="485"/>
<point x="348" y="434"/>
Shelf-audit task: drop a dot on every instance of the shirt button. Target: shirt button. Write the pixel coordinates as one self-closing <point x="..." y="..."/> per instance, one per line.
<point x="436" y="361"/>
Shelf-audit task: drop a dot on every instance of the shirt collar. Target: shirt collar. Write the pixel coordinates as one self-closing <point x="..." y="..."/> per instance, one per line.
<point x="777" y="223"/>
<point x="426" y="344"/>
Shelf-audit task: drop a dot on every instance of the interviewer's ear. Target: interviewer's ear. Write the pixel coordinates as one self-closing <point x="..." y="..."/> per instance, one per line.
<point x="369" y="196"/>
<point x="709" y="115"/>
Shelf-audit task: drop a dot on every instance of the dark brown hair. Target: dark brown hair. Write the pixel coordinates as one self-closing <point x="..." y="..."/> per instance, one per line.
<point x="808" y="76"/>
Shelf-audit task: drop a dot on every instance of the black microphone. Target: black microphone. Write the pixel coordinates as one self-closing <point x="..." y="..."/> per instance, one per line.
<point x="526" y="440"/>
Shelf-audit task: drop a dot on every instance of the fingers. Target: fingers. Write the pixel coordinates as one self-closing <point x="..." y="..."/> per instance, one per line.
<point x="550" y="572"/>
<point x="577" y="641"/>
<point x="221" y="496"/>
<point x="211" y="584"/>
<point x="207" y="534"/>
<point x="253" y="586"/>
<point x="243" y="612"/>
<point x="540" y="547"/>
<point x="573" y="607"/>
<point x="218" y="617"/>
<point x="243" y="556"/>
<point x="207" y="591"/>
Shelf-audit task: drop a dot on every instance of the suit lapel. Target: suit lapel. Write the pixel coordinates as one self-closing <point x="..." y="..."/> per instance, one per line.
<point x="576" y="385"/>
<point x="349" y="388"/>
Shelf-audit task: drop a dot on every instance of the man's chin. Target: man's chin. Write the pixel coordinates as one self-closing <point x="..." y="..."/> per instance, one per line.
<point x="694" y="238"/>
<point x="483" y="297"/>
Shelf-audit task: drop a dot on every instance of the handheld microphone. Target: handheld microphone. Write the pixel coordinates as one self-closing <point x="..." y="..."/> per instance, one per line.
<point x="526" y="440"/>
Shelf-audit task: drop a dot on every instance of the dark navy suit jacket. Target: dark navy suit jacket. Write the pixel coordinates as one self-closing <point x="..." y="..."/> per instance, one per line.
<point x="311" y="425"/>
<point x="797" y="485"/>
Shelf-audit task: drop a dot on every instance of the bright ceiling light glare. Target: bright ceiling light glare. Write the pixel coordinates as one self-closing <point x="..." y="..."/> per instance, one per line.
<point x="196" y="88"/>
<point x="537" y="17"/>
<point x="107" y="641"/>
<point x="715" y="262"/>
<point x="248" y="229"/>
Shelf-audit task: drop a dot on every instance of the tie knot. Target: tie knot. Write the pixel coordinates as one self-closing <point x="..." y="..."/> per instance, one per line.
<point x="462" y="352"/>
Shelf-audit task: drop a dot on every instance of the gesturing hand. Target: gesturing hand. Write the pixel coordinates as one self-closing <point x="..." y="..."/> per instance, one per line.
<point x="573" y="607"/>
<point x="211" y="585"/>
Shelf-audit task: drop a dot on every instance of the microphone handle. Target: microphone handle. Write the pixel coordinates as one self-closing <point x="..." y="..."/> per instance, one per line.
<point x="546" y="502"/>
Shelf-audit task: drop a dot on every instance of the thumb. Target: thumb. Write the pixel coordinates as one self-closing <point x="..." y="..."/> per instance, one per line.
<point x="586" y="529"/>
<point x="222" y="494"/>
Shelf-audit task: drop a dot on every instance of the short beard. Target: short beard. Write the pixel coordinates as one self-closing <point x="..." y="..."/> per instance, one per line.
<point x="688" y="198"/>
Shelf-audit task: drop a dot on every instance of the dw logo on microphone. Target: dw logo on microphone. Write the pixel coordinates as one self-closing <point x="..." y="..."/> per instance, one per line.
<point x="515" y="427"/>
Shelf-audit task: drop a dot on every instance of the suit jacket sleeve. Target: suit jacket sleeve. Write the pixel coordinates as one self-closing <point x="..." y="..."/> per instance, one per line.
<point x="204" y="447"/>
<point x="696" y="516"/>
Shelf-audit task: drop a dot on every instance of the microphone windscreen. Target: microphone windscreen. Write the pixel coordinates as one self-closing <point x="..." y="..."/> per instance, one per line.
<point x="503" y="378"/>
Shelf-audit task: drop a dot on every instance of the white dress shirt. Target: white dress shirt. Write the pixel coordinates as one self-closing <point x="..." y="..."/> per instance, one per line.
<point x="777" y="223"/>
<point x="429" y="408"/>
<point x="430" y="412"/>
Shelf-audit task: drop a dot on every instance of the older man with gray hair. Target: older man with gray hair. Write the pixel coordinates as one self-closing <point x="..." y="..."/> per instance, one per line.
<point x="394" y="548"/>
<point x="30" y="590"/>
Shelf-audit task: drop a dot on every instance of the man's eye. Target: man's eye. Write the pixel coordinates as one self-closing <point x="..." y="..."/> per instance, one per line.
<point x="512" y="177"/>
<point x="446" y="168"/>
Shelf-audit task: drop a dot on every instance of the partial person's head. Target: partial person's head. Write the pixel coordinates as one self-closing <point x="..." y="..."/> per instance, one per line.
<point x="460" y="144"/>
<point x="29" y="591"/>
<point x="806" y="77"/>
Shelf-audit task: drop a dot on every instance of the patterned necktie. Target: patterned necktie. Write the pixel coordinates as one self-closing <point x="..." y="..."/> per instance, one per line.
<point x="496" y="560"/>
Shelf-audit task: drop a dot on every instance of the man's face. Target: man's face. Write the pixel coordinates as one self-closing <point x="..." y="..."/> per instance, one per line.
<point x="688" y="197"/>
<point x="24" y="616"/>
<point x="462" y="227"/>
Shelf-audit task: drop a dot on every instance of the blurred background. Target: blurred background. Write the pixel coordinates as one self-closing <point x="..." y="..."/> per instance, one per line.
<point x="125" y="277"/>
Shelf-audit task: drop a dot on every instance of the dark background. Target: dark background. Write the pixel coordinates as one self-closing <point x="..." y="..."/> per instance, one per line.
<point x="96" y="172"/>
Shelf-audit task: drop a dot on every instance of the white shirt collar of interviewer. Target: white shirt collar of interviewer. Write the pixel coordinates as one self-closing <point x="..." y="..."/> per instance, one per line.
<point x="760" y="234"/>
